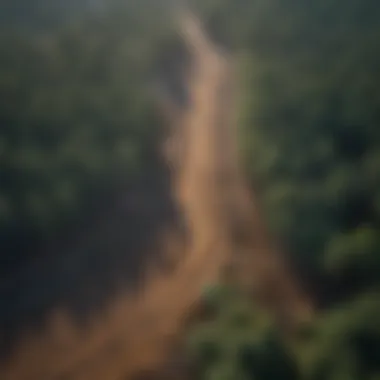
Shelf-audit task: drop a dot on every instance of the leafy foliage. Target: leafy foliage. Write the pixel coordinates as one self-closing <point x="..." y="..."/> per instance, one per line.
<point x="76" y="122"/>
<point x="309" y="125"/>
<point x="309" y="114"/>
<point x="242" y="342"/>
<point x="76" y="117"/>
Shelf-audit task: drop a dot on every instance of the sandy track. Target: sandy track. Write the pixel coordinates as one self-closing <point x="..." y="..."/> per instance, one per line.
<point x="137" y="333"/>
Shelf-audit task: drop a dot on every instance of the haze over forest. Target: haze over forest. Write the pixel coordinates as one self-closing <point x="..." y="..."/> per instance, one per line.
<point x="131" y="141"/>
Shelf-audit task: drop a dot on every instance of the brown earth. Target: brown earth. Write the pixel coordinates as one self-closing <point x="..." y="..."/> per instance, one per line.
<point x="136" y="332"/>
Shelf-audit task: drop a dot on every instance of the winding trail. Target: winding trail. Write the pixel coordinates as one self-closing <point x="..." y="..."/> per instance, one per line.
<point x="137" y="333"/>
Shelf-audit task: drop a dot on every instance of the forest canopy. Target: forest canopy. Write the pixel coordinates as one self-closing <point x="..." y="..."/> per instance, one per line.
<point x="310" y="138"/>
<point x="77" y="118"/>
<point x="78" y="123"/>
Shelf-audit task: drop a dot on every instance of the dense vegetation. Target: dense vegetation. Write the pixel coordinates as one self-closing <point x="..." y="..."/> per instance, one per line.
<point x="310" y="117"/>
<point x="239" y="341"/>
<point x="77" y="121"/>
<point x="311" y="141"/>
<point x="77" y="125"/>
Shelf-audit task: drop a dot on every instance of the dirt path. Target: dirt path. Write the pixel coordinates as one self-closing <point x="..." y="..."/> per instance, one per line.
<point x="137" y="333"/>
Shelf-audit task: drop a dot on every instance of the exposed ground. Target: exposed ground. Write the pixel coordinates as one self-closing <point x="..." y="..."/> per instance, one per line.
<point x="136" y="331"/>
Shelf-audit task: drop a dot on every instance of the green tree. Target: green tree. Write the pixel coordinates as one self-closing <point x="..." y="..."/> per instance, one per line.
<point x="309" y="133"/>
